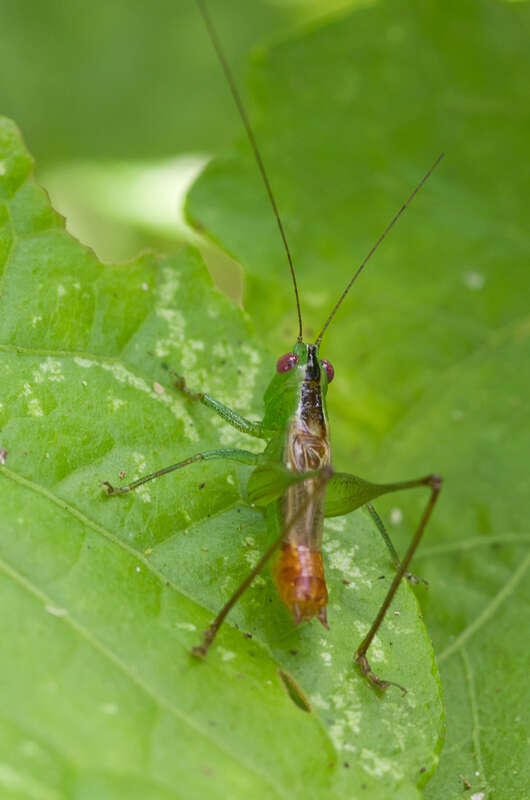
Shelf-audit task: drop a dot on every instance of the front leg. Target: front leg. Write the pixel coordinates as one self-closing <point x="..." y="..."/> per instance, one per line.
<point x="250" y="427"/>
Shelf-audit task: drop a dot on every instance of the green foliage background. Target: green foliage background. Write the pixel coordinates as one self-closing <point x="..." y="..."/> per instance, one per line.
<point x="430" y="352"/>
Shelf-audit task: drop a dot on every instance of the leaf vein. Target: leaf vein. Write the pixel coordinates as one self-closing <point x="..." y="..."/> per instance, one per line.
<point x="152" y="692"/>
<point x="84" y="520"/>
<point x="472" y="543"/>
<point x="487" y="613"/>
<point x="474" y="718"/>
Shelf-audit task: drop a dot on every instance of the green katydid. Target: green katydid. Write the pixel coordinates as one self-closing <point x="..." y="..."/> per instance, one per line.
<point x="292" y="479"/>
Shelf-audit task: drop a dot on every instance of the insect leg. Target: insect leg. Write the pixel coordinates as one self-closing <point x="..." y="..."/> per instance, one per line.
<point x="250" y="427"/>
<point x="211" y="633"/>
<point x="243" y="456"/>
<point x="434" y="482"/>
<point x="388" y="541"/>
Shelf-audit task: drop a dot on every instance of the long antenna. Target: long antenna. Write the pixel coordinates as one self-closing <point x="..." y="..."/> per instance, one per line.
<point x="237" y="99"/>
<point x="376" y="245"/>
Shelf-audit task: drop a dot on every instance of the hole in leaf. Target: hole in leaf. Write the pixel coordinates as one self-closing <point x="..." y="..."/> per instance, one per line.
<point x="294" y="691"/>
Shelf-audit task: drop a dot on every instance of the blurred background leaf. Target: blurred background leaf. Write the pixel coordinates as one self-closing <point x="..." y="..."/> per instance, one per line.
<point x="105" y="93"/>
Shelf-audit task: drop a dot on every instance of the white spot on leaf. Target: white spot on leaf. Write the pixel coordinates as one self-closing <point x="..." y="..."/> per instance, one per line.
<point x="318" y="702"/>
<point x="115" y="403"/>
<point x="186" y="626"/>
<point x="109" y="708"/>
<point x="396" y="516"/>
<point x="55" y="611"/>
<point x="377" y="766"/>
<point x="338" y="524"/>
<point x="51" y="370"/>
<point x="226" y="655"/>
<point x="474" y="280"/>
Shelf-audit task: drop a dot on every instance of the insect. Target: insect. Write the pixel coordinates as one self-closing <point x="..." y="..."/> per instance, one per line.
<point x="293" y="480"/>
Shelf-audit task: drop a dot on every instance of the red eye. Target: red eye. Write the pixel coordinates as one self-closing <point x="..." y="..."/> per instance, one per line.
<point x="330" y="372"/>
<point x="287" y="362"/>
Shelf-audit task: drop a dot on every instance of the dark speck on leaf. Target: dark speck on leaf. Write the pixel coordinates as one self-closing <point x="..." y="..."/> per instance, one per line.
<point x="248" y="636"/>
<point x="381" y="578"/>
<point x="293" y="652"/>
<point x="202" y="485"/>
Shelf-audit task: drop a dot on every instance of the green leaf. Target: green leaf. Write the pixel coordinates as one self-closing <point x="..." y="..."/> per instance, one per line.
<point x="123" y="52"/>
<point x="477" y="559"/>
<point x="102" y="598"/>
<point x="349" y="115"/>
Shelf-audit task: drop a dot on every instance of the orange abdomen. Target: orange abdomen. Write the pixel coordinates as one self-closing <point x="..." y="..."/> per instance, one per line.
<point x="299" y="578"/>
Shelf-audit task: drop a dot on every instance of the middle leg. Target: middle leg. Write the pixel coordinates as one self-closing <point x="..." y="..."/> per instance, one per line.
<point x="380" y="525"/>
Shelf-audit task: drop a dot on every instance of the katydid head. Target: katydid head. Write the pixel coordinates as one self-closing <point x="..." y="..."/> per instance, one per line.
<point x="300" y="367"/>
<point x="302" y="364"/>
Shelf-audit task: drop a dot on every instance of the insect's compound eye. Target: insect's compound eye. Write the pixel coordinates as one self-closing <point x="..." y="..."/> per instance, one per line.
<point x="330" y="372"/>
<point x="287" y="362"/>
